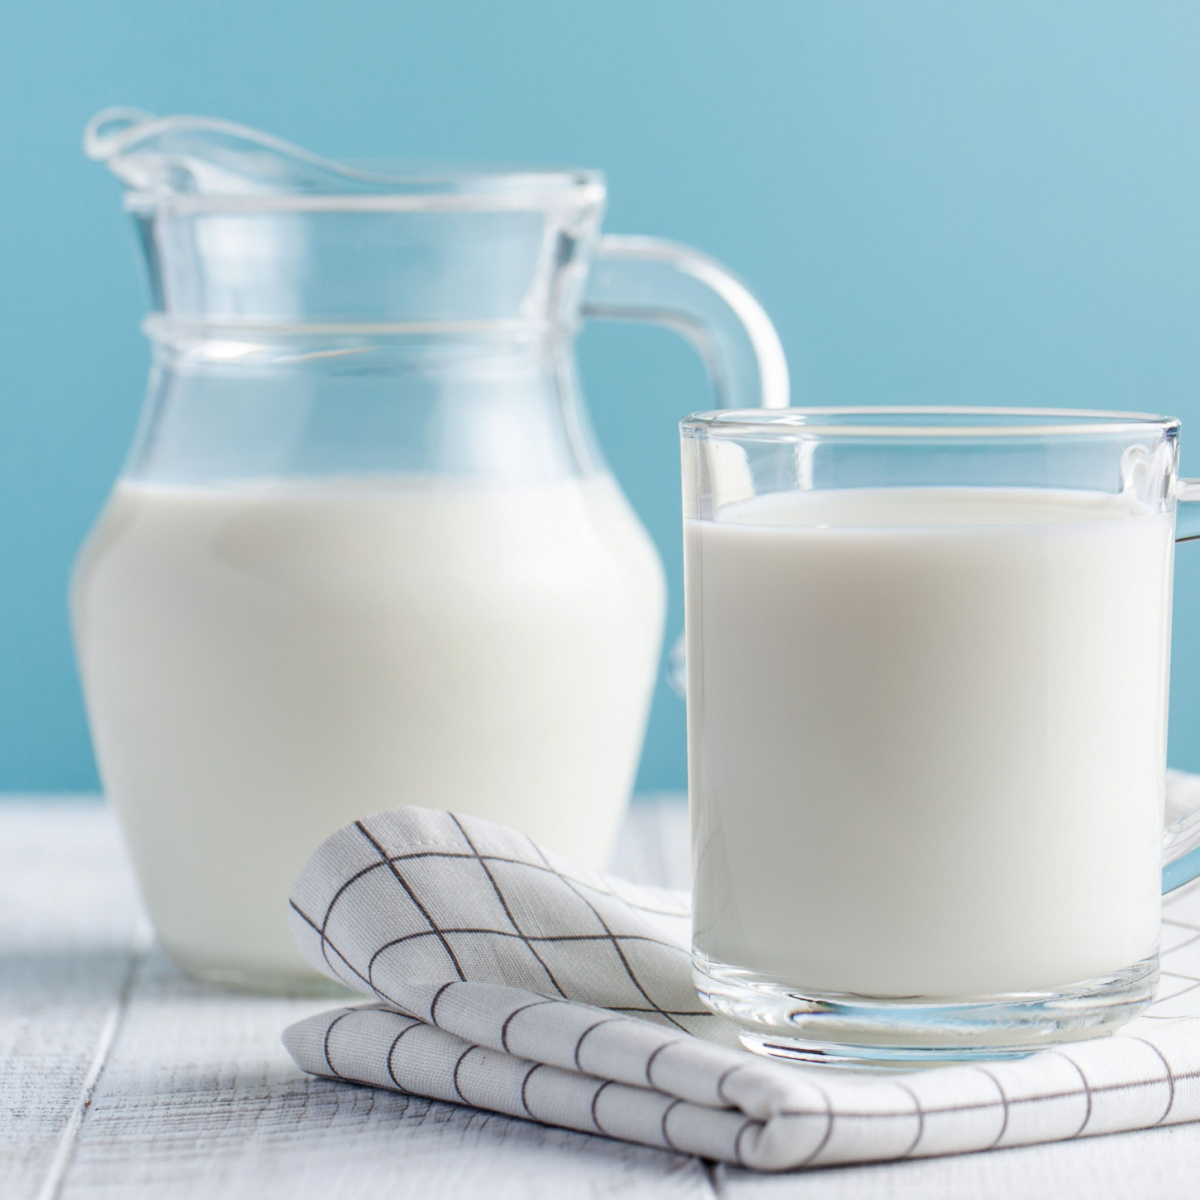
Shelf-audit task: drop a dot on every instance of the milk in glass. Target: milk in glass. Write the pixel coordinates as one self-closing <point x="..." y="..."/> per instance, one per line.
<point x="927" y="736"/>
<point x="265" y="661"/>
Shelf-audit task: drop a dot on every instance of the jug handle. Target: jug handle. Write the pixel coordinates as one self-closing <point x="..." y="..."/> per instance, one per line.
<point x="1181" y="839"/>
<point x="666" y="283"/>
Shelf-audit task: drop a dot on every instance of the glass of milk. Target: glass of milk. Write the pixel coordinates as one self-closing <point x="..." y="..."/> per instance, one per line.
<point x="364" y="552"/>
<point x="927" y="710"/>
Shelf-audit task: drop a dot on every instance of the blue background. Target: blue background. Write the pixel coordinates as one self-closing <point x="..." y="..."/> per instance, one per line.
<point x="994" y="203"/>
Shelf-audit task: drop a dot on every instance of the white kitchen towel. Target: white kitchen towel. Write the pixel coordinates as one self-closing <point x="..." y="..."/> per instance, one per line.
<point x="508" y="978"/>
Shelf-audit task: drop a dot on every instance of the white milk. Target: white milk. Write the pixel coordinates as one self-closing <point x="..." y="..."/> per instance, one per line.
<point x="263" y="663"/>
<point x="927" y="737"/>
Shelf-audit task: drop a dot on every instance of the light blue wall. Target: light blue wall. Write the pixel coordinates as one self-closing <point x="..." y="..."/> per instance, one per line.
<point x="983" y="202"/>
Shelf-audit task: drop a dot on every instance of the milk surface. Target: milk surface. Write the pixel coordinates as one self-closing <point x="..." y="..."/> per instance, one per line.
<point x="265" y="662"/>
<point x="927" y="735"/>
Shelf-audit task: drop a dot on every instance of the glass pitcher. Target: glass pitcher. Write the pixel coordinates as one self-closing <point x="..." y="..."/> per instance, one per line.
<point x="364" y="551"/>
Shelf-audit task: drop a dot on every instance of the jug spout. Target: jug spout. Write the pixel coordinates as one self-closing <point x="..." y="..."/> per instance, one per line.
<point x="206" y="156"/>
<point x="242" y="227"/>
<point x="189" y="155"/>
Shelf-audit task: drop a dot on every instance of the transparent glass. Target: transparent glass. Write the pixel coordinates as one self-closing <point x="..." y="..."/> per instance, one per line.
<point x="927" y="708"/>
<point x="364" y="551"/>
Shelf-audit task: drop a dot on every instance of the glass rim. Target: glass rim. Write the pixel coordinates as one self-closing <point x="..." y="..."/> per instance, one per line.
<point x="467" y="191"/>
<point x="985" y="422"/>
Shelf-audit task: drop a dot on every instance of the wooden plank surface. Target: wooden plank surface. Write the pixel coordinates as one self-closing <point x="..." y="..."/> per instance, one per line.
<point x="68" y="928"/>
<point x="121" y="1078"/>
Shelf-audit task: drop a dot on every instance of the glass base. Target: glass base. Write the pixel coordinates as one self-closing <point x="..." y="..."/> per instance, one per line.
<point x="879" y="1033"/>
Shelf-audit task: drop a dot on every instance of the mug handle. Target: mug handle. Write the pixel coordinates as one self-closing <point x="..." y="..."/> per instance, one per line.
<point x="649" y="279"/>
<point x="1181" y="838"/>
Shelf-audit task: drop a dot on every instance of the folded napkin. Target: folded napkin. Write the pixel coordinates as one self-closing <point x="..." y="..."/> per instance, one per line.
<point x="508" y="978"/>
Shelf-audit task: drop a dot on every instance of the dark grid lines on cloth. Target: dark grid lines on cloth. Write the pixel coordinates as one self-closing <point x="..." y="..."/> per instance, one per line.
<point x="1075" y="1092"/>
<point x="425" y="906"/>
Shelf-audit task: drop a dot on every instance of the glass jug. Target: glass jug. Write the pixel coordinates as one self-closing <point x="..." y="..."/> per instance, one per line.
<point x="364" y="552"/>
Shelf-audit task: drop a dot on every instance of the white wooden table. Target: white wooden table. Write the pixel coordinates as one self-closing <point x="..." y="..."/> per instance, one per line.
<point x="121" y="1078"/>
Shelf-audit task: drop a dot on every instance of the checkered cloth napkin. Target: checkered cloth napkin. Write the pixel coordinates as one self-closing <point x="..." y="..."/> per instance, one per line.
<point x="508" y="978"/>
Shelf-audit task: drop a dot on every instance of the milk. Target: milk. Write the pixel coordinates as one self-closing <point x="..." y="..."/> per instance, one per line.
<point x="927" y="737"/>
<point x="265" y="662"/>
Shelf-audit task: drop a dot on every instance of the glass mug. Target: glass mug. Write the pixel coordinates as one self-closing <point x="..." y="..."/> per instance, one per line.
<point x="927" y="713"/>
